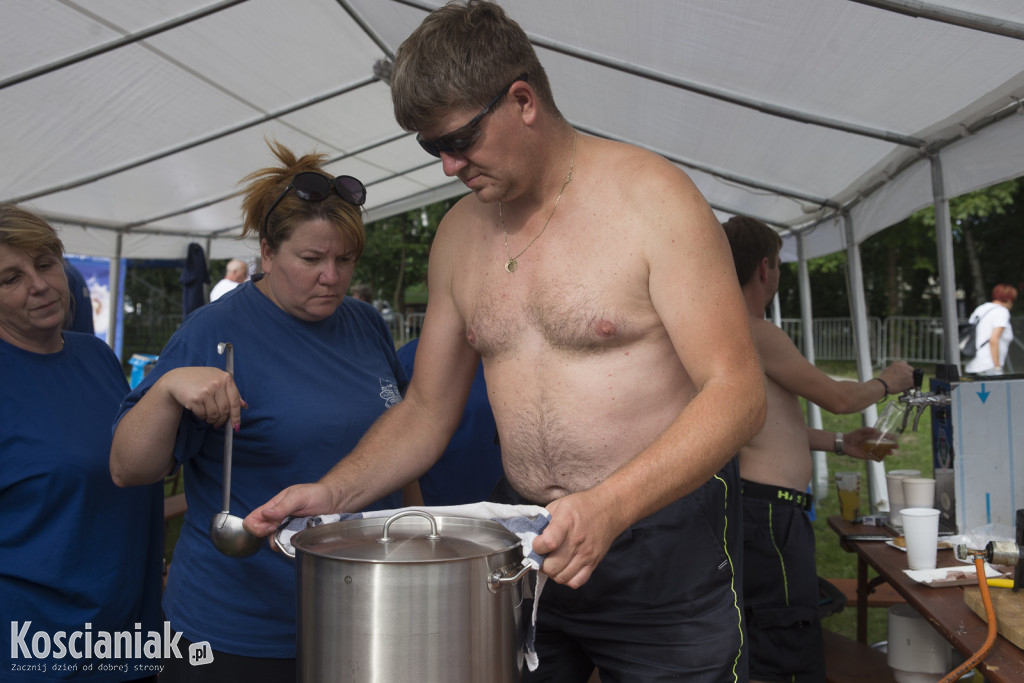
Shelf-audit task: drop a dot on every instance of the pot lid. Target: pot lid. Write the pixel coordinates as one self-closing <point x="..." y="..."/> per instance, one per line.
<point x="411" y="536"/>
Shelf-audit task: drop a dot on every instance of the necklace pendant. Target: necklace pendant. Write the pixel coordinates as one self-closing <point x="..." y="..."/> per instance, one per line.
<point x="511" y="265"/>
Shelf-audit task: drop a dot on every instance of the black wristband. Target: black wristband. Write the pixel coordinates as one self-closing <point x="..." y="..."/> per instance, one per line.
<point x="884" y="386"/>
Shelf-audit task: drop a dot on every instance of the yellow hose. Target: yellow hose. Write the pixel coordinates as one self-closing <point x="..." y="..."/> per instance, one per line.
<point x="990" y="615"/>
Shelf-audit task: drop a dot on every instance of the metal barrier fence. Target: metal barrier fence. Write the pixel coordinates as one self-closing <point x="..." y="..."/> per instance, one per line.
<point x="913" y="339"/>
<point x="834" y="339"/>
<point x="404" y="327"/>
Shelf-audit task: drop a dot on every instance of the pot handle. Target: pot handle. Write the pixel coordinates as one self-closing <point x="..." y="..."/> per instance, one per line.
<point x="499" y="579"/>
<point x="276" y="539"/>
<point x="433" y="535"/>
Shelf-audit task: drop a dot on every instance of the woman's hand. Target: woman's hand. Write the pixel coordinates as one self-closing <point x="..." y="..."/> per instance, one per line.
<point x="142" y="451"/>
<point x="209" y="393"/>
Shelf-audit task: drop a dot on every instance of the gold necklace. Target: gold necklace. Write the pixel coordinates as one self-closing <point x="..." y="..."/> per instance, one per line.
<point x="513" y="261"/>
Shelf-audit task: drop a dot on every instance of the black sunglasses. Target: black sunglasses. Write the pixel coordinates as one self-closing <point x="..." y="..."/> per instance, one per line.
<point x="315" y="187"/>
<point x="461" y="139"/>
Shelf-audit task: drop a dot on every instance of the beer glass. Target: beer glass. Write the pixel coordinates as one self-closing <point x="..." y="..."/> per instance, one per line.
<point x="889" y="427"/>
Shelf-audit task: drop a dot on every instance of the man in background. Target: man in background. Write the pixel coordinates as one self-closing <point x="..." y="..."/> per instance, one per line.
<point x="235" y="274"/>
<point x="780" y="584"/>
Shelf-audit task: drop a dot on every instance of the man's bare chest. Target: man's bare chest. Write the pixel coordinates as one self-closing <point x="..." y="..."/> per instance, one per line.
<point x="581" y="287"/>
<point x="550" y="305"/>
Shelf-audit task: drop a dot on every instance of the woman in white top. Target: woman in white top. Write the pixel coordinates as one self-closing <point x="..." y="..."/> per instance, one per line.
<point x="994" y="332"/>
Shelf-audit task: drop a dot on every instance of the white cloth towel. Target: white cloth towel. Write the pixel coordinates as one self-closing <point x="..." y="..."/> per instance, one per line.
<point x="525" y="521"/>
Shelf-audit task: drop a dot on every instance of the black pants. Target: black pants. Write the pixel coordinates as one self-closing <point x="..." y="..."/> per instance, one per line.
<point x="227" y="668"/>
<point x="664" y="603"/>
<point x="781" y="593"/>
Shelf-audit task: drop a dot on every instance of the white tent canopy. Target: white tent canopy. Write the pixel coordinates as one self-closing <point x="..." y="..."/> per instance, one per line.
<point x="129" y="124"/>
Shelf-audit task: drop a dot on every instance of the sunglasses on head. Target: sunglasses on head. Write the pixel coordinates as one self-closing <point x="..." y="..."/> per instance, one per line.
<point x="315" y="187"/>
<point x="461" y="139"/>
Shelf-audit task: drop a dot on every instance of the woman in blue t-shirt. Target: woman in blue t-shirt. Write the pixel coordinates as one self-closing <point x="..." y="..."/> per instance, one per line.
<point x="80" y="559"/>
<point x="312" y="370"/>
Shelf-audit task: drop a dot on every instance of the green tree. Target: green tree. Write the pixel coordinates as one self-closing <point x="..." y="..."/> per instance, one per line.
<point x="901" y="262"/>
<point x="395" y="257"/>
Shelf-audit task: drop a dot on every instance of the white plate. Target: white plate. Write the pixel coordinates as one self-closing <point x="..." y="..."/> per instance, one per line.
<point x="964" y="576"/>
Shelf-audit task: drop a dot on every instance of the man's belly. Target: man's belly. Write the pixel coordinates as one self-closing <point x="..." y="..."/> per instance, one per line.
<point x="569" y="431"/>
<point x="783" y="459"/>
<point x="779" y="454"/>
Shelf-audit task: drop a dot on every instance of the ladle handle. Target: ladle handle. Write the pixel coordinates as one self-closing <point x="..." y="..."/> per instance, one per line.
<point x="228" y="351"/>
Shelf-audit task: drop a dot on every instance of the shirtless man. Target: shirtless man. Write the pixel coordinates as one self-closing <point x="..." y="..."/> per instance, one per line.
<point x="595" y="283"/>
<point x="780" y="586"/>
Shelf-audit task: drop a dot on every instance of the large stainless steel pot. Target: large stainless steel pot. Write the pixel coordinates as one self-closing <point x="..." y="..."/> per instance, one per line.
<point x="412" y="598"/>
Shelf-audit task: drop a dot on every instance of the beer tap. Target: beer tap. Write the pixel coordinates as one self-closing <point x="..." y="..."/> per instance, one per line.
<point x="915" y="398"/>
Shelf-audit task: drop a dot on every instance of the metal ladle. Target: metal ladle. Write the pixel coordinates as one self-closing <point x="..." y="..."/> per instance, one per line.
<point x="226" y="530"/>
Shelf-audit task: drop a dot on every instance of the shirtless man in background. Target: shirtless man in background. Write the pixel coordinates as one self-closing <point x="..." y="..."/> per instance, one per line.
<point x="780" y="585"/>
<point x="595" y="283"/>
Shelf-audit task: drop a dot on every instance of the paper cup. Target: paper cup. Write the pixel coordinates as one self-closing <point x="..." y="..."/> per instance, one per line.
<point x="848" y="487"/>
<point x="921" y="529"/>
<point x="894" y="486"/>
<point x="919" y="492"/>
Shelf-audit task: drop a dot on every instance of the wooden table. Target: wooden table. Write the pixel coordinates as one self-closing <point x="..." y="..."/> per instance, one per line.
<point x="944" y="608"/>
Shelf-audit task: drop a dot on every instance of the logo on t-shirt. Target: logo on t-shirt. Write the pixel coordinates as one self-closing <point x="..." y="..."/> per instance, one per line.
<point x="389" y="392"/>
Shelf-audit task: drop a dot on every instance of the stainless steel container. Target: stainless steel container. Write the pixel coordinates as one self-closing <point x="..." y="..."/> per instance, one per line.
<point x="413" y="598"/>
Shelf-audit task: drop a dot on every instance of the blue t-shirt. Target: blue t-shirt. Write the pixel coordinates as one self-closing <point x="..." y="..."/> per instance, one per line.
<point x="75" y="550"/>
<point x="471" y="464"/>
<point x="313" y="389"/>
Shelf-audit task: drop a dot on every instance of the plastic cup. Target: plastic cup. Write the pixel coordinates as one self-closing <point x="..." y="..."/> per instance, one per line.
<point x="848" y="487"/>
<point x="919" y="492"/>
<point x="889" y="426"/>
<point x="921" y="530"/>
<point x="894" y="485"/>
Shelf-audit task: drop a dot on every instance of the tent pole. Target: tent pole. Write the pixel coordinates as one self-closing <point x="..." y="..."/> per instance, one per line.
<point x="877" y="496"/>
<point x="947" y="269"/>
<point x="949" y="15"/>
<point x="118" y="43"/>
<point x="115" y="292"/>
<point x="209" y="257"/>
<point x="819" y="483"/>
<point x="373" y="35"/>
